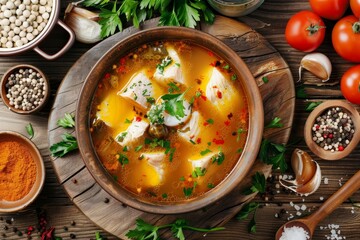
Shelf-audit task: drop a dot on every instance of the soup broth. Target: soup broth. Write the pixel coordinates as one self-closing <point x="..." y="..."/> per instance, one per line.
<point x="169" y="121"/>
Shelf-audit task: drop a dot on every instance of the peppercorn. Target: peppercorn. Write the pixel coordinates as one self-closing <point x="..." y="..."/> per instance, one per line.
<point x="8" y="221"/>
<point x="106" y="200"/>
<point x="73" y="223"/>
<point x="72" y="236"/>
<point x="65" y="228"/>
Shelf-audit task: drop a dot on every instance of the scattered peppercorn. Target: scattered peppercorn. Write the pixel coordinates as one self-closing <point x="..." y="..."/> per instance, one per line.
<point x="5" y="227"/>
<point x="19" y="233"/>
<point x="74" y="181"/>
<point x="25" y="89"/>
<point x="8" y="221"/>
<point x="65" y="228"/>
<point x="15" y="229"/>
<point x="73" y="223"/>
<point x="107" y="200"/>
<point x="72" y="236"/>
<point x="333" y="130"/>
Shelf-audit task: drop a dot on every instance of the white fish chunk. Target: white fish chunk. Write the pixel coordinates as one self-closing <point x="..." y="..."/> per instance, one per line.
<point x="202" y="162"/>
<point x="156" y="161"/>
<point x="172" y="121"/>
<point x="135" y="131"/>
<point x="191" y="130"/>
<point x="219" y="90"/>
<point x="172" y="72"/>
<point x="138" y="90"/>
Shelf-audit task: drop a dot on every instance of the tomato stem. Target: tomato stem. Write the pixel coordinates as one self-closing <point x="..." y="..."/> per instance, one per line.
<point x="356" y="27"/>
<point x="314" y="28"/>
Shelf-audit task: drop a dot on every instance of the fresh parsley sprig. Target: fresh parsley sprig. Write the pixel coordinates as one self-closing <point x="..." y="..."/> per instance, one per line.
<point x="258" y="184"/>
<point x="274" y="154"/>
<point x="275" y="123"/>
<point x="30" y="130"/>
<point x="245" y="212"/>
<point x="312" y="105"/>
<point x="65" y="146"/>
<point x="172" y="13"/>
<point x="67" y="121"/>
<point x="146" y="230"/>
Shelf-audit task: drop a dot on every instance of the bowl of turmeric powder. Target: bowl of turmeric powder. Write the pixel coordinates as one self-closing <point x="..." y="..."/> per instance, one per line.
<point x="22" y="172"/>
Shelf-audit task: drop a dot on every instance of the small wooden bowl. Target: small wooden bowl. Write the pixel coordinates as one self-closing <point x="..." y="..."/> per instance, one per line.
<point x="4" y="81"/>
<point x="319" y="151"/>
<point x="13" y="206"/>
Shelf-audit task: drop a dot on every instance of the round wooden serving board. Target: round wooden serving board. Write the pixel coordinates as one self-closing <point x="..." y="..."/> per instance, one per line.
<point x="278" y="100"/>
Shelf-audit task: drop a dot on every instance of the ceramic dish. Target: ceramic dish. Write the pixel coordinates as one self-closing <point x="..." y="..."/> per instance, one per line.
<point x="4" y="91"/>
<point x="327" y="154"/>
<point x="14" y="206"/>
<point x="247" y="158"/>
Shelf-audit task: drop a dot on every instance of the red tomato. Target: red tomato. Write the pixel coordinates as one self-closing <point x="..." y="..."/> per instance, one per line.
<point x="346" y="38"/>
<point x="305" y="31"/>
<point x="355" y="7"/>
<point x="329" y="9"/>
<point x="350" y="84"/>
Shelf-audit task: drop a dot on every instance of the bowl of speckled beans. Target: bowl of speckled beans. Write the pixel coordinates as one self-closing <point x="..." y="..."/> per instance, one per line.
<point x="332" y="130"/>
<point x="24" y="89"/>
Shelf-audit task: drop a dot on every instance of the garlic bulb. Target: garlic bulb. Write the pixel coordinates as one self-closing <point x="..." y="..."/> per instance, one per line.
<point x="318" y="64"/>
<point x="84" y="24"/>
<point x="307" y="174"/>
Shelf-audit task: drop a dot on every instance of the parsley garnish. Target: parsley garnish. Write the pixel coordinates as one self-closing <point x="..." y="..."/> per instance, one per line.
<point x="233" y="77"/>
<point x="150" y="100"/>
<point x="146" y="230"/>
<point x="121" y="137"/>
<point x="206" y="151"/>
<point x="67" y="145"/>
<point x="125" y="149"/>
<point x="274" y="154"/>
<point x="138" y="148"/>
<point x="265" y="79"/>
<point x="174" y="104"/>
<point x="258" y="184"/>
<point x="192" y="141"/>
<point x="67" y="121"/>
<point x="240" y="131"/>
<point x="226" y="67"/>
<point x="210" y="121"/>
<point x="312" y="105"/>
<point x="300" y="92"/>
<point x="239" y="150"/>
<point x="219" y="158"/>
<point x="30" y="130"/>
<point x="173" y="87"/>
<point x="164" y="63"/>
<point x="188" y="191"/>
<point x="123" y="159"/>
<point x="182" y="179"/>
<point x="164" y="195"/>
<point x="127" y="121"/>
<point x="244" y="213"/>
<point x="109" y="20"/>
<point x="156" y="114"/>
<point x="210" y="185"/>
<point x="275" y="123"/>
<point x="98" y="236"/>
<point x="198" y="172"/>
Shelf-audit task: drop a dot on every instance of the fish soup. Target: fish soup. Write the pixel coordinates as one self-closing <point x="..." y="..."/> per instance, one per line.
<point x="169" y="121"/>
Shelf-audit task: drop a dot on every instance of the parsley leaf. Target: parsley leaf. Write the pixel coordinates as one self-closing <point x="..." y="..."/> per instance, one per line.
<point x="188" y="15"/>
<point x="98" y="236"/>
<point x="67" y="121"/>
<point x="174" y="104"/>
<point x="164" y="63"/>
<point x="274" y="154"/>
<point x="88" y="3"/>
<point x="210" y="121"/>
<point x="173" y="87"/>
<point x="156" y="114"/>
<point x="110" y="21"/>
<point x="275" y="123"/>
<point x="65" y="146"/>
<point x="198" y="172"/>
<point x="123" y="159"/>
<point x="265" y="79"/>
<point x="30" y="130"/>
<point x="258" y="184"/>
<point x="246" y="210"/>
<point x="145" y="230"/>
<point x="204" y="152"/>
<point x="219" y="158"/>
<point x="252" y="225"/>
<point x="312" y="105"/>
<point x="188" y="191"/>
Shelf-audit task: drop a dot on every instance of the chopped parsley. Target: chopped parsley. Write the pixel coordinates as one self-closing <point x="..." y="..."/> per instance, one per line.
<point x="174" y="104"/>
<point x="123" y="159"/>
<point x="173" y="87"/>
<point x="177" y="64"/>
<point x="138" y="148"/>
<point x="265" y="79"/>
<point x="150" y="100"/>
<point x="233" y="77"/>
<point x="206" y="151"/>
<point x="121" y="137"/>
<point x="240" y="131"/>
<point x="239" y="150"/>
<point x="182" y="179"/>
<point x="219" y="158"/>
<point x="226" y="67"/>
<point x="210" y="185"/>
<point x="192" y="141"/>
<point x="164" y="63"/>
<point x="127" y="121"/>
<point x="125" y="149"/>
<point x="188" y="191"/>
<point x="164" y="195"/>
<point x="156" y="114"/>
<point x="210" y="121"/>
<point x="198" y="172"/>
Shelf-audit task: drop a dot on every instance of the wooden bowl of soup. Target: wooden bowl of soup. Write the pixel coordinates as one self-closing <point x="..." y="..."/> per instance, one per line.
<point x="169" y="120"/>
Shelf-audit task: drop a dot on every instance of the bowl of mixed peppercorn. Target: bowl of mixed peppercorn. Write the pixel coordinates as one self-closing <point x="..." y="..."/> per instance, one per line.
<point x="332" y="130"/>
<point x="24" y="89"/>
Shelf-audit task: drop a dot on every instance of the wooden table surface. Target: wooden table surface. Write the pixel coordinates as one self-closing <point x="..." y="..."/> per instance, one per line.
<point x="269" y="20"/>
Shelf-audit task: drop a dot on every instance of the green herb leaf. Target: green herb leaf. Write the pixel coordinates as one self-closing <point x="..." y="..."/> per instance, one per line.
<point x="65" y="146"/>
<point x="30" y="130"/>
<point x="219" y="158"/>
<point x="252" y="225"/>
<point x="275" y="123"/>
<point x="67" y="121"/>
<point x="127" y="121"/>
<point x="88" y="3"/>
<point x="226" y="67"/>
<point x="164" y="195"/>
<point x="174" y="104"/>
<point x="156" y="114"/>
<point x="164" y="63"/>
<point x="123" y="159"/>
<point x="110" y="21"/>
<point x="198" y="172"/>
<point x="265" y="79"/>
<point x="233" y="77"/>
<point x="210" y="185"/>
<point x="182" y="179"/>
<point x="188" y="191"/>
<point x="138" y="148"/>
<point x="274" y="154"/>
<point x="258" y="183"/>
<point x="312" y="105"/>
<point x="204" y="152"/>
<point x="173" y="87"/>
<point x="246" y="210"/>
<point x="98" y="236"/>
<point x="210" y="121"/>
<point x="240" y="131"/>
<point x="300" y="92"/>
<point x="150" y="100"/>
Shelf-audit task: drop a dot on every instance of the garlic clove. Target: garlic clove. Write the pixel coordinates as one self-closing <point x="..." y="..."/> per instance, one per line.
<point x="303" y="165"/>
<point x="313" y="185"/>
<point x="318" y="64"/>
<point x="83" y="23"/>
